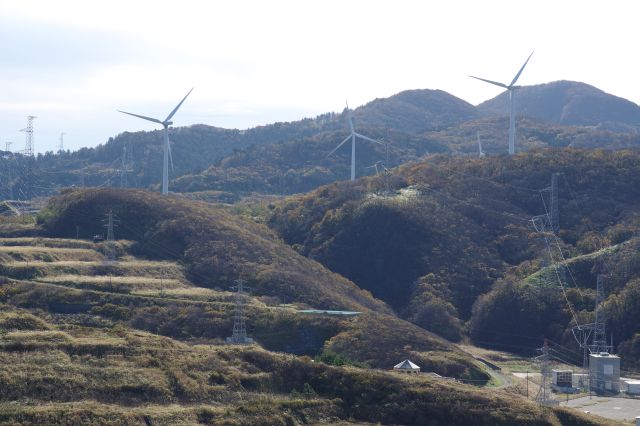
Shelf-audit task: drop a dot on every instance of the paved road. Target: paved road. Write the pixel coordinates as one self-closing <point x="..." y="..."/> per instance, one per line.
<point x="611" y="408"/>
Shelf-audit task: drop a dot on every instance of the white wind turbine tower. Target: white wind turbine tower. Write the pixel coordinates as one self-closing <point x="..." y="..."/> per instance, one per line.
<point x="353" y="135"/>
<point x="167" y="149"/>
<point x="511" y="88"/>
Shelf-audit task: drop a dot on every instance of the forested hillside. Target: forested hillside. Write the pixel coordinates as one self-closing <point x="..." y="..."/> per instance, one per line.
<point x="453" y="249"/>
<point x="85" y="342"/>
<point x="138" y="340"/>
<point x="291" y="157"/>
<point x="217" y="248"/>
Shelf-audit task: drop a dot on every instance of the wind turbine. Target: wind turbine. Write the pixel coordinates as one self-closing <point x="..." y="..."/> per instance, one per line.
<point x="353" y="135"/>
<point x="376" y="166"/>
<point x="511" y="88"/>
<point x="167" y="149"/>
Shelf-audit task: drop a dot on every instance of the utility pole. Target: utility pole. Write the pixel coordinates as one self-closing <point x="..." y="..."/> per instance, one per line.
<point x="239" y="335"/>
<point x="7" y="146"/>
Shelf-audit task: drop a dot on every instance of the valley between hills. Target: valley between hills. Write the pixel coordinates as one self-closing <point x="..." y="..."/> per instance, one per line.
<point x="141" y="340"/>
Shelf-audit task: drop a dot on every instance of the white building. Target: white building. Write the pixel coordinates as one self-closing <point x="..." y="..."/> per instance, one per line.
<point x="632" y="387"/>
<point x="604" y="372"/>
<point x="407" y="366"/>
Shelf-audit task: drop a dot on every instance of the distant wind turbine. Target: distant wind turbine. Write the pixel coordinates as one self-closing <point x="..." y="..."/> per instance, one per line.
<point x="167" y="149"/>
<point x="377" y="165"/>
<point x="480" y="151"/>
<point x="511" y="88"/>
<point x="353" y="135"/>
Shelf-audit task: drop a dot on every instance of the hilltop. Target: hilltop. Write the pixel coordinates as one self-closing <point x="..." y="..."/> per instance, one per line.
<point x="415" y="111"/>
<point x="569" y="103"/>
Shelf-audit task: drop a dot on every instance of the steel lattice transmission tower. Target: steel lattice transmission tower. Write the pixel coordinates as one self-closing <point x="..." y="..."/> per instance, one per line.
<point x="599" y="332"/>
<point x="239" y="335"/>
<point x="110" y="249"/>
<point x="544" y="396"/>
<point x="29" y="153"/>
<point x="28" y="147"/>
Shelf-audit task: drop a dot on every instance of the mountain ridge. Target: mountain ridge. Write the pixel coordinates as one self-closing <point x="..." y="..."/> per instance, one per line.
<point x="567" y="102"/>
<point x="291" y="157"/>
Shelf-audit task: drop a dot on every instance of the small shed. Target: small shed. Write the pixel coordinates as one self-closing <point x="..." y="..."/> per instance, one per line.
<point x="632" y="386"/>
<point x="407" y="366"/>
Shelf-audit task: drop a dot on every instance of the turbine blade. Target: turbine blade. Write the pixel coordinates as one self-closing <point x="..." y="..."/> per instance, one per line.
<point x="339" y="145"/>
<point x="155" y="120"/>
<point x="520" y="72"/>
<point x="490" y="81"/>
<point x="366" y="138"/>
<point x="178" y="106"/>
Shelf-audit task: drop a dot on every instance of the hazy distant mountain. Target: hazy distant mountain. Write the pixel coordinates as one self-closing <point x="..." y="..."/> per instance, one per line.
<point x="569" y="103"/>
<point x="415" y="111"/>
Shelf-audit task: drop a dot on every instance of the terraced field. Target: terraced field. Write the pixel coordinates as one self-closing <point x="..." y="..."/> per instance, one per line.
<point x="84" y="341"/>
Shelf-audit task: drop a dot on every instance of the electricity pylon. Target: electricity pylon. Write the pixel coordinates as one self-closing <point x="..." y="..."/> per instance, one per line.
<point x="239" y="335"/>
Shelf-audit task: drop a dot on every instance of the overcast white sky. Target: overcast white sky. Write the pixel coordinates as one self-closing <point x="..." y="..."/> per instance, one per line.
<point x="73" y="63"/>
